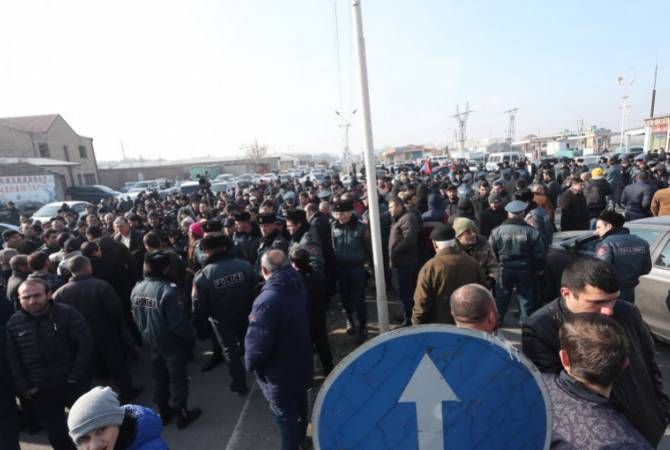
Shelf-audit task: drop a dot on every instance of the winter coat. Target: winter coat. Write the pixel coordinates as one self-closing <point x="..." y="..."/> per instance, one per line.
<point x="159" y="312"/>
<point x="404" y="240"/>
<point x="574" y="213"/>
<point x="575" y="410"/>
<point x="148" y="427"/>
<point x="278" y="347"/>
<point x="518" y="245"/>
<point x="97" y="301"/>
<point x="636" y="197"/>
<point x="448" y="270"/>
<point x="638" y="391"/>
<point x="660" y="202"/>
<point x="48" y="350"/>
<point x="595" y="193"/>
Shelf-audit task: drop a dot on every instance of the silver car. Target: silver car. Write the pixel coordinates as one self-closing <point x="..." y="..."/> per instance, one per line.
<point x="652" y="295"/>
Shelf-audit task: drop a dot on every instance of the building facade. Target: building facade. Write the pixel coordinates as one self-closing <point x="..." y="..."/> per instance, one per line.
<point x="50" y="137"/>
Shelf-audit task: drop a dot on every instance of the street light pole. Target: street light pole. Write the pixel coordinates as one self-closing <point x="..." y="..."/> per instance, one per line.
<point x="370" y="174"/>
<point x="346" y="123"/>
<point x="624" y="85"/>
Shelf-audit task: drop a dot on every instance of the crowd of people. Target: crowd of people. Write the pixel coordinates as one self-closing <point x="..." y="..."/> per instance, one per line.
<point x="253" y="273"/>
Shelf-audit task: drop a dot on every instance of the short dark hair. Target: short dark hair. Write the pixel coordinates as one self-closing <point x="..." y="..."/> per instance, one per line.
<point x="63" y="238"/>
<point x="89" y="248"/>
<point x="94" y="231"/>
<point x="590" y="271"/>
<point x="597" y="347"/>
<point x="38" y="260"/>
<point x="47" y="234"/>
<point x="152" y="240"/>
<point x="300" y="257"/>
<point x="78" y="263"/>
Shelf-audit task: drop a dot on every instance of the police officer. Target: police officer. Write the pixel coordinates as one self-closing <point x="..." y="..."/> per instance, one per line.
<point x="351" y="243"/>
<point x="223" y="294"/>
<point x="271" y="238"/>
<point x="245" y="239"/>
<point x="302" y="235"/>
<point x="161" y="317"/>
<point x="520" y="250"/>
<point x="629" y="254"/>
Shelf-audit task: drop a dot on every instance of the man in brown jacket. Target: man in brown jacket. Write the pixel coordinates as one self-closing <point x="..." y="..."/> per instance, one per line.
<point x="404" y="253"/>
<point x="660" y="202"/>
<point x="448" y="270"/>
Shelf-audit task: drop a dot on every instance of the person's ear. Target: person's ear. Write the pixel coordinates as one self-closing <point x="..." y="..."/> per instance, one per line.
<point x="565" y="292"/>
<point x="565" y="360"/>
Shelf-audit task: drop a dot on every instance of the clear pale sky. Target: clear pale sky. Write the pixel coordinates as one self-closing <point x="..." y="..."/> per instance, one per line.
<point x="173" y="79"/>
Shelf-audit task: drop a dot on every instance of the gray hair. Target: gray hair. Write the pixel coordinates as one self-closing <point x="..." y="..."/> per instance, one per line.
<point x="120" y="221"/>
<point x="274" y="260"/>
<point x="471" y="303"/>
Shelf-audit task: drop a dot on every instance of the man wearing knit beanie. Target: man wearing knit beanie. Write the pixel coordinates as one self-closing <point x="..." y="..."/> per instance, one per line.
<point x="98" y="408"/>
<point x="628" y="253"/>
<point x="478" y="247"/>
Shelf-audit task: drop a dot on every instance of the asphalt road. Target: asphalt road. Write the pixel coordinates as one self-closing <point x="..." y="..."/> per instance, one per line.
<point x="233" y="423"/>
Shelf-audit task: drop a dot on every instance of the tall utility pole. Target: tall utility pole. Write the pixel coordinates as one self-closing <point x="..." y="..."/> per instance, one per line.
<point x="624" y="106"/>
<point x="370" y="174"/>
<point x="346" y="123"/>
<point x="511" y="128"/>
<point x="653" y="92"/>
<point x="462" y="120"/>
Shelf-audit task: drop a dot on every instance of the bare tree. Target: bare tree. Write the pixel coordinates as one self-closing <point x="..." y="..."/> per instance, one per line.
<point x="255" y="153"/>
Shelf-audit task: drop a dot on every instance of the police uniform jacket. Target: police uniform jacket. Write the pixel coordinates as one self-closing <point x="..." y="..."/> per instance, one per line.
<point x="307" y="238"/>
<point x="518" y="246"/>
<point x="160" y="314"/>
<point x="628" y="253"/>
<point x="636" y="197"/>
<point x="274" y="241"/>
<point x="248" y="245"/>
<point x="351" y="242"/>
<point x="223" y="290"/>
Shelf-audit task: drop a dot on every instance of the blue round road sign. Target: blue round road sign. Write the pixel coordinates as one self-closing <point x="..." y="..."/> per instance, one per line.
<point x="433" y="387"/>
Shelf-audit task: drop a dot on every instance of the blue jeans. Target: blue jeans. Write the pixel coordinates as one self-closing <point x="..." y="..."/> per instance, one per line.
<point x="351" y="284"/>
<point x="406" y="279"/>
<point x="291" y="417"/>
<point x="526" y="287"/>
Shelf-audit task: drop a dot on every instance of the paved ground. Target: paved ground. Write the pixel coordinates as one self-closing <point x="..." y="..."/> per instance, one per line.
<point x="234" y="423"/>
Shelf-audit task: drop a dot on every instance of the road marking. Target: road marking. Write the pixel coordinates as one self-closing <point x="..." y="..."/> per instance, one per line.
<point x="428" y="389"/>
<point x="236" y="437"/>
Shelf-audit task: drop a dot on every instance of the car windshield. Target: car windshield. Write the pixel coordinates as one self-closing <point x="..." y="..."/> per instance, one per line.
<point x="105" y="188"/>
<point x="48" y="210"/>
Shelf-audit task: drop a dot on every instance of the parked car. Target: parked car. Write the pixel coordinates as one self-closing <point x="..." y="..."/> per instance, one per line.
<point x="90" y="193"/>
<point x="652" y="295"/>
<point x="226" y="187"/>
<point x="46" y="212"/>
<point x="225" y="177"/>
<point x="189" y="187"/>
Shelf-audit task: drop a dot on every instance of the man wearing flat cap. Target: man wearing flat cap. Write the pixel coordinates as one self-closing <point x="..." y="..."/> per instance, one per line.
<point x="628" y="253"/>
<point x="303" y="235"/>
<point x="520" y="249"/>
<point x="351" y="243"/>
<point x="445" y="272"/>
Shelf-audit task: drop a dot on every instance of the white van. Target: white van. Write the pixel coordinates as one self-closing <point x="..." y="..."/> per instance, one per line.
<point x="497" y="158"/>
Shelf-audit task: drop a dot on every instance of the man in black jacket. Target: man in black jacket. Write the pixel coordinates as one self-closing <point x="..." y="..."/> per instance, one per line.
<point x="49" y="350"/>
<point x="574" y="213"/>
<point x="9" y="425"/>
<point x="97" y="301"/>
<point x="591" y="286"/>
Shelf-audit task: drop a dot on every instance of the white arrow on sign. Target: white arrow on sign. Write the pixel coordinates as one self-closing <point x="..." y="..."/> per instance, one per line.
<point x="428" y="389"/>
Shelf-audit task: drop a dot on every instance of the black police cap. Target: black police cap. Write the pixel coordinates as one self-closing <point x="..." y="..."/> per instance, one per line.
<point x="266" y="218"/>
<point x="442" y="232"/>
<point x="212" y="226"/>
<point x="296" y="216"/>
<point x="344" y="206"/>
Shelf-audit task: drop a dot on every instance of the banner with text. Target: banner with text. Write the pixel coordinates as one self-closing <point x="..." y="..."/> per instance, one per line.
<point x="39" y="188"/>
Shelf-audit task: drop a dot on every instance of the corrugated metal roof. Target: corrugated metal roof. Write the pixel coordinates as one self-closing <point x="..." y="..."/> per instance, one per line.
<point x="30" y="124"/>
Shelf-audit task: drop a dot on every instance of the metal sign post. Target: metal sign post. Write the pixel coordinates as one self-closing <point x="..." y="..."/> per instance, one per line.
<point x="371" y="176"/>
